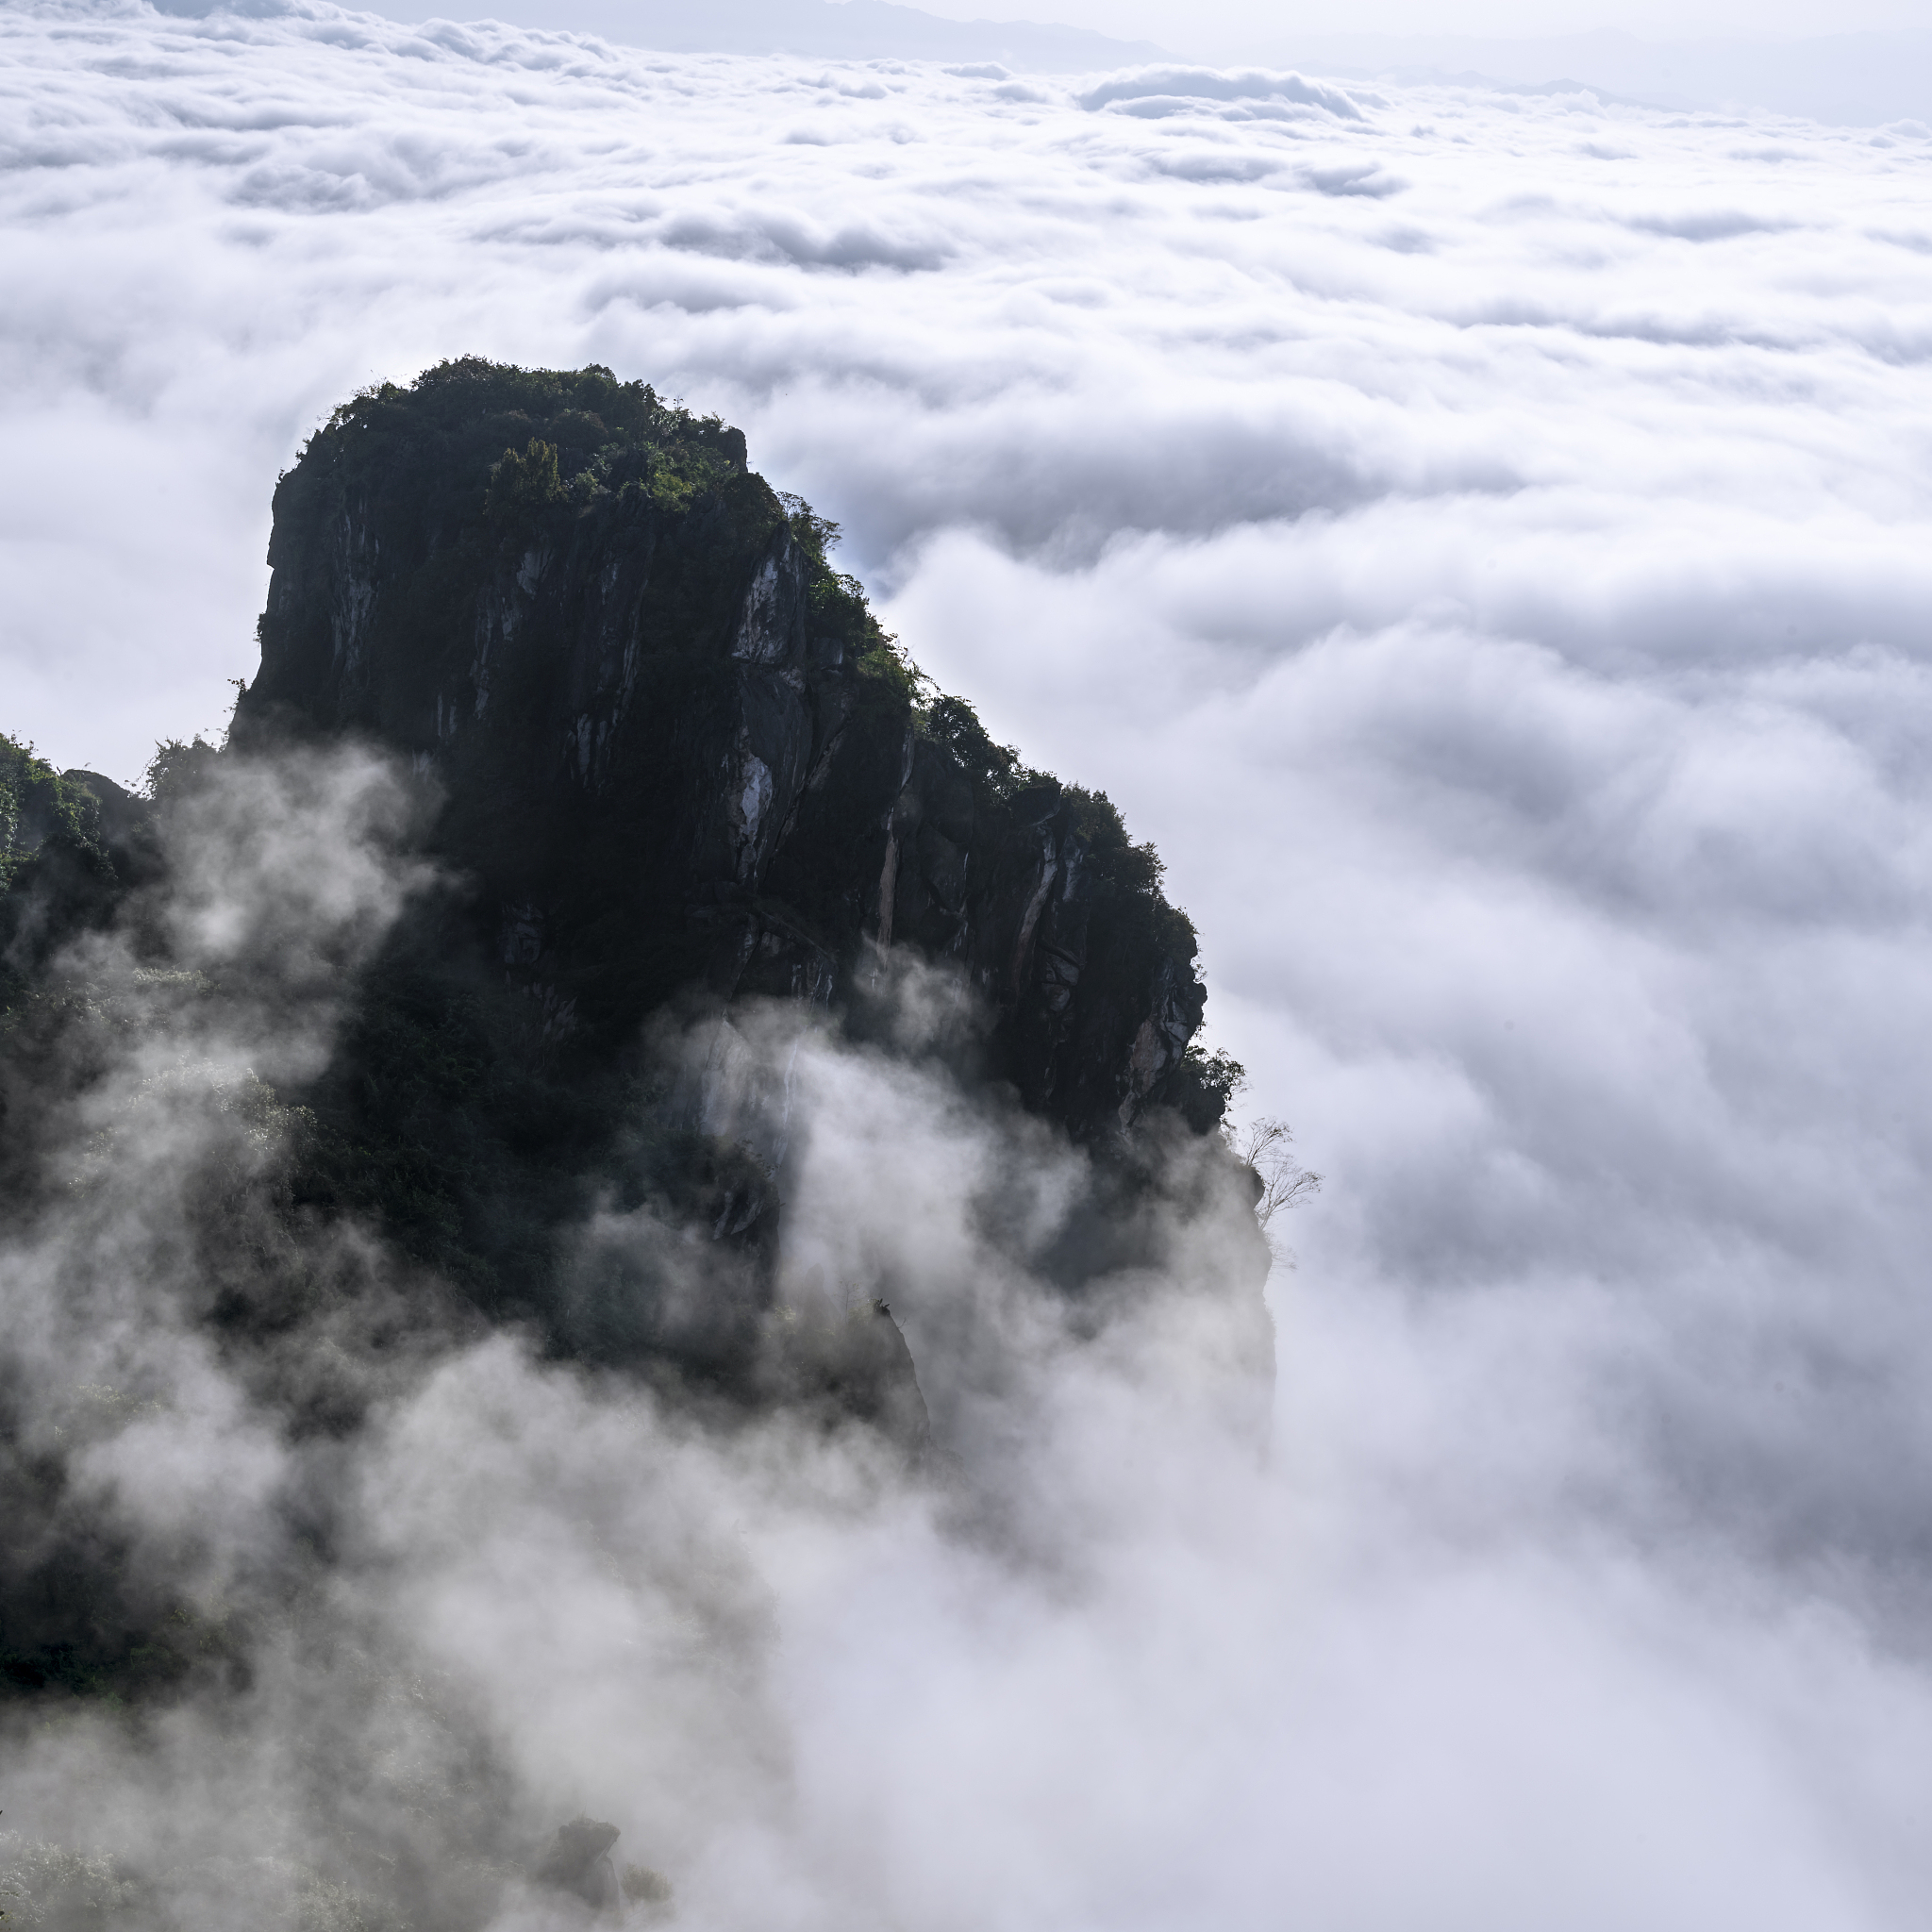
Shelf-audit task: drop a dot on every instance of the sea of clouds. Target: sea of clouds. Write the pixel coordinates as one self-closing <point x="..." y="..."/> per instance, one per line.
<point x="1483" y="540"/>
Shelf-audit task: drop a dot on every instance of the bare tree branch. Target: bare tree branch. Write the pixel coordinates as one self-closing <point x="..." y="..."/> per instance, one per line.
<point x="1267" y="1146"/>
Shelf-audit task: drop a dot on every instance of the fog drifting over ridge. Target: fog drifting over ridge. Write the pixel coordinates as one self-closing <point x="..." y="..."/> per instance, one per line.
<point x="1483" y="541"/>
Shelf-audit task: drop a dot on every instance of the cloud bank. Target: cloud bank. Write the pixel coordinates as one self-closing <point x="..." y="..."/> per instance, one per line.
<point x="1483" y="541"/>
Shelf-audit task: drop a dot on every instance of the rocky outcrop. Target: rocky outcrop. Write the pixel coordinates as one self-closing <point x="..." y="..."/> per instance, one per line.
<point x="682" y="793"/>
<point x="578" y="1862"/>
<point x="72" y="844"/>
<point x="672" y="768"/>
<point x="675" y="746"/>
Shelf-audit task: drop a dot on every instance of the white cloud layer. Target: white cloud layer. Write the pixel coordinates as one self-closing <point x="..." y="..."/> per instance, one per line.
<point x="1484" y="542"/>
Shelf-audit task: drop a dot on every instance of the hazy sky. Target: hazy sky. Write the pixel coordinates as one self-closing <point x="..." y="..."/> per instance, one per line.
<point x="1486" y="541"/>
<point x="1261" y="20"/>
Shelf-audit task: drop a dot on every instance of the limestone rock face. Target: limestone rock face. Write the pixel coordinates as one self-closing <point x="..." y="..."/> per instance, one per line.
<point x="578" y="1861"/>
<point x="682" y="793"/>
<point x="679" y="768"/>
<point x="677" y="747"/>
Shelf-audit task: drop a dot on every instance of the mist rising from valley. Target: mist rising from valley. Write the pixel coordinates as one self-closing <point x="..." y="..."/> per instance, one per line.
<point x="1480" y="538"/>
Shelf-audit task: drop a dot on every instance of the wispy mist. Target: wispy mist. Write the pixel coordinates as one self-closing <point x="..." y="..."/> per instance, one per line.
<point x="406" y="1595"/>
<point x="1482" y="540"/>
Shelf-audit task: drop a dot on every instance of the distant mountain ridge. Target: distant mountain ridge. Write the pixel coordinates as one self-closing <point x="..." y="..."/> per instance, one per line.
<point x="832" y="29"/>
<point x="1852" y="80"/>
<point x="1849" y="79"/>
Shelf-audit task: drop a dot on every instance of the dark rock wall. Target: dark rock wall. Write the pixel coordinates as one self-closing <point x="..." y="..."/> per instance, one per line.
<point x="679" y="766"/>
<point x="675" y="746"/>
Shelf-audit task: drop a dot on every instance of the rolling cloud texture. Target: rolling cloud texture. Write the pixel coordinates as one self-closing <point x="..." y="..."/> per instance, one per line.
<point x="1483" y="540"/>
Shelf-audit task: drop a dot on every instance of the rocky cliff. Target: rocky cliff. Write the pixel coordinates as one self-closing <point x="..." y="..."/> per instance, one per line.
<point x="671" y="766"/>
<point x="676" y="746"/>
<point x="678" y="805"/>
<point x="680" y="767"/>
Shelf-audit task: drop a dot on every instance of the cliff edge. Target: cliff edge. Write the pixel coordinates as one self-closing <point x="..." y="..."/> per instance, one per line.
<point x="321" y="1070"/>
<point x="676" y="746"/>
<point x="670" y="772"/>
